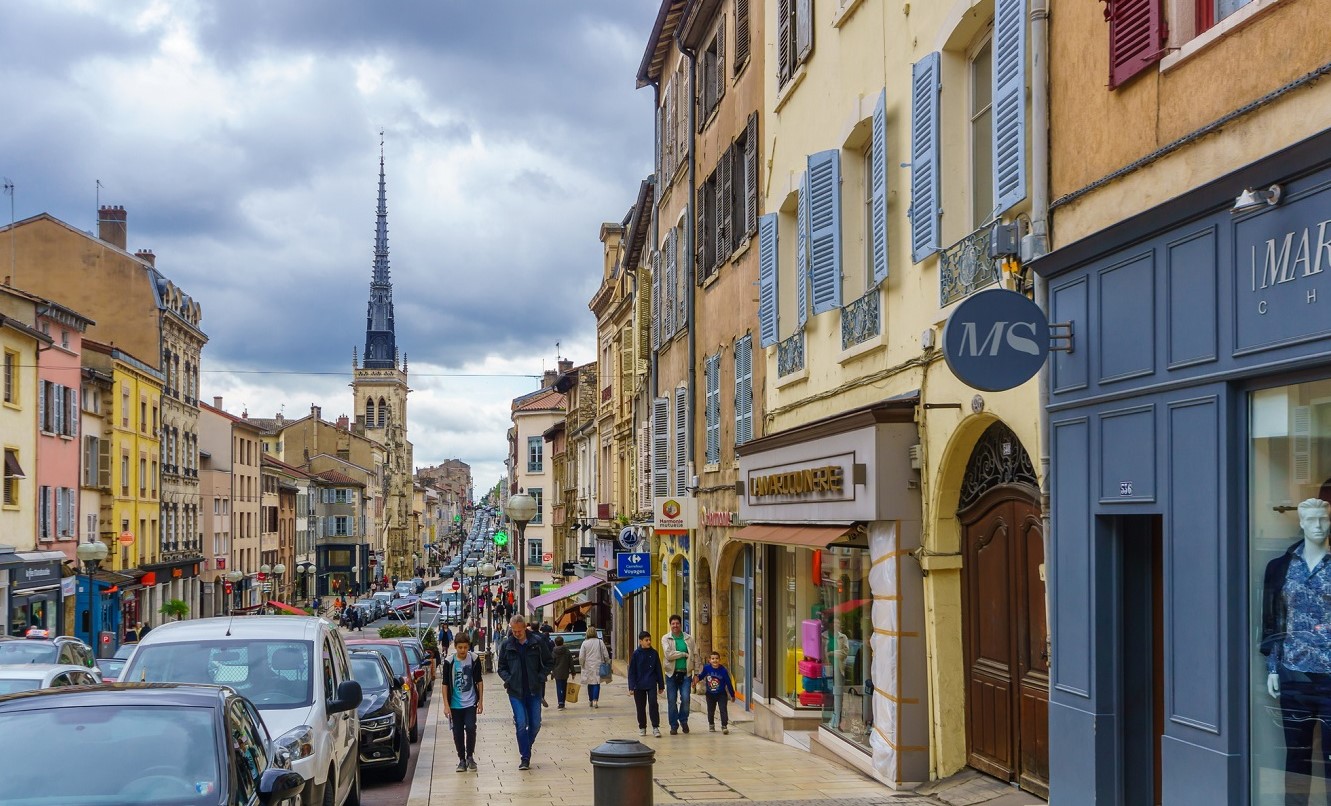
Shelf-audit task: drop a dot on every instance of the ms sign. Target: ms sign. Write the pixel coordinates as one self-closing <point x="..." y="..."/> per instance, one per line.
<point x="996" y="340"/>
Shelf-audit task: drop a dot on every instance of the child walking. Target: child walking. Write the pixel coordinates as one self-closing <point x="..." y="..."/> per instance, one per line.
<point x="646" y="680"/>
<point x="466" y="698"/>
<point x="719" y="689"/>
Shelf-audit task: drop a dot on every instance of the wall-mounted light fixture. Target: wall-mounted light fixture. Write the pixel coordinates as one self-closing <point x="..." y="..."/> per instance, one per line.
<point x="1251" y="199"/>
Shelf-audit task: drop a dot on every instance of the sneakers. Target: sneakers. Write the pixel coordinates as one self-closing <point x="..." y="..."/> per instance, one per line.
<point x="711" y="728"/>
<point x="471" y="763"/>
<point x="561" y="707"/>
<point x="684" y="726"/>
<point x="673" y="731"/>
<point x="596" y="704"/>
<point x="725" y="729"/>
<point x="642" y="731"/>
<point x="657" y="732"/>
<point x="462" y="765"/>
<point x="525" y="764"/>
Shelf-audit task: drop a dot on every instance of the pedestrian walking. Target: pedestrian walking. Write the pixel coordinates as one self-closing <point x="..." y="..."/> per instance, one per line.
<point x="562" y="667"/>
<point x="445" y="637"/>
<point x="681" y="663"/>
<point x="131" y="634"/>
<point x="646" y="680"/>
<point x="719" y="690"/>
<point x="593" y="658"/>
<point x="464" y="700"/>
<point x="524" y="664"/>
<point x="544" y="633"/>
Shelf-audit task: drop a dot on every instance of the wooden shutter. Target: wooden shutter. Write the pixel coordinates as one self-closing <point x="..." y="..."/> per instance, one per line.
<point x="701" y="84"/>
<point x="660" y="447"/>
<point x="72" y="419"/>
<point x="669" y="287"/>
<point x="643" y="315"/>
<point x="725" y="204"/>
<point x="803" y="30"/>
<point x="702" y="231"/>
<point x="1137" y="36"/>
<point x="741" y="33"/>
<point x="878" y="207"/>
<point x="784" y="60"/>
<point x="682" y="290"/>
<point x="768" y="332"/>
<point x="656" y="299"/>
<point x="751" y="175"/>
<point x="712" y="408"/>
<point x="719" y="72"/>
<point x="825" y="230"/>
<point x="681" y="439"/>
<point x="1009" y="99"/>
<point x="665" y="136"/>
<point x="645" y="467"/>
<point x="59" y="418"/>
<point x="802" y="252"/>
<point x="681" y="117"/>
<point x="43" y="513"/>
<point x="104" y="464"/>
<point x="744" y="390"/>
<point x="924" y="201"/>
<point x="41" y="406"/>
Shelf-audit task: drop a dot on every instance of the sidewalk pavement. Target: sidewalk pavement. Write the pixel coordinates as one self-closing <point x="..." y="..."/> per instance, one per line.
<point x="698" y="768"/>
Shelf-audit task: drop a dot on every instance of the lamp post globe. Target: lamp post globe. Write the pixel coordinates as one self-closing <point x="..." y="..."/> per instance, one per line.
<point x="91" y="554"/>
<point x="265" y="569"/>
<point x="521" y="508"/>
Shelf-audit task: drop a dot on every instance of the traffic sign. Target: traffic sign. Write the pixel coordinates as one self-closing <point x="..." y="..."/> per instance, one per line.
<point x="126" y="537"/>
<point x="456" y="584"/>
<point x="629" y="564"/>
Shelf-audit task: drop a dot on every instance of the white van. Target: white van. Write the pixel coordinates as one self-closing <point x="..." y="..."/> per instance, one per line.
<point x="294" y="669"/>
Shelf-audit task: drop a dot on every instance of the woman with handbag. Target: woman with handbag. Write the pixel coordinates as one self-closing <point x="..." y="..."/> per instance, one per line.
<point x="594" y="662"/>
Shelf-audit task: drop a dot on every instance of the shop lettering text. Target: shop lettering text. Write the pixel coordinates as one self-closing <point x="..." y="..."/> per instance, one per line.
<point x="826" y="479"/>
<point x="1299" y="253"/>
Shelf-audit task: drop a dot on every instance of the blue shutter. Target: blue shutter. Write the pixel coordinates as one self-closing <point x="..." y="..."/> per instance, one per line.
<point x="1009" y="117"/>
<point x="924" y="201"/>
<point x="878" y="211"/>
<point x="825" y="230"/>
<point x="744" y="390"/>
<point x="768" y="330"/>
<point x="802" y="253"/>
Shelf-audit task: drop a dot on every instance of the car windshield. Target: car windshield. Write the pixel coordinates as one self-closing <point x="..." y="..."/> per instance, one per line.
<point x="28" y="652"/>
<point x="126" y="754"/>
<point x="11" y="685"/>
<point x="369" y="672"/>
<point x="390" y="654"/>
<point x="271" y="673"/>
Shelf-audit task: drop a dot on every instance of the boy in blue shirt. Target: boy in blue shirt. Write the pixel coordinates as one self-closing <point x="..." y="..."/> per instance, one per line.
<point x="719" y="690"/>
<point x="465" y="692"/>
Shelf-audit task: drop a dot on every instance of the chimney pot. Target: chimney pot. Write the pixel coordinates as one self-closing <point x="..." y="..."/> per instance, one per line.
<point x="112" y="226"/>
<point x="217" y="401"/>
<point x="147" y="256"/>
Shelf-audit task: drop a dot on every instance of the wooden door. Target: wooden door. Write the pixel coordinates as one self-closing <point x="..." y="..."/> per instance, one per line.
<point x="1005" y="636"/>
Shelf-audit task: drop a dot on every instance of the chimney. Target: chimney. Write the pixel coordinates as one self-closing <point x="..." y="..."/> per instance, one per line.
<point x="343" y="423"/>
<point x="316" y="412"/>
<point x="112" y="226"/>
<point x="217" y="402"/>
<point x="147" y="256"/>
<point x="548" y="378"/>
<point x="565" y="364"/>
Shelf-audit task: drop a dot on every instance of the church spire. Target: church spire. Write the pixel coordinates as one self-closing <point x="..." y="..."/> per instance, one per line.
<point x="380" y="339"/>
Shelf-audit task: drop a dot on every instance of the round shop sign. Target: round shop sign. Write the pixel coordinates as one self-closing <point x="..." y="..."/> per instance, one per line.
<point x="629" y="538"/>
<point x="996" y="340"/>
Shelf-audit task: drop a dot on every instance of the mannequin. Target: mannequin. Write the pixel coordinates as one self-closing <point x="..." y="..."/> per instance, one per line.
<point x="1296" y="640"/>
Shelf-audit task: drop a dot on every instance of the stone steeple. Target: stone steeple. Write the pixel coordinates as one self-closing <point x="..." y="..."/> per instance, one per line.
<point x="380" y="338"/>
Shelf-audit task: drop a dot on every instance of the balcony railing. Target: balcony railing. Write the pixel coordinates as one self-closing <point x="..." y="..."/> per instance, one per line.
<point x="860" y="320"/>
<point x="965" y="267"/>
<point x="790" y="355"/>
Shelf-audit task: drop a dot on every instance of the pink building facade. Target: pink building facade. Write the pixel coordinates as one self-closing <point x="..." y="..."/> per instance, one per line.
<point x="59" y="459"/>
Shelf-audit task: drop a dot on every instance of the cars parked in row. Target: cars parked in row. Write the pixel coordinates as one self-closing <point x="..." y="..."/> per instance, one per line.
<point x="384" y="740"/>
<point x="400" y="665"/>
<point x="133" y="743"/>
<point x="16" y="677"/>
<point x="112" y="667"/>
<point x="41" y="649"/>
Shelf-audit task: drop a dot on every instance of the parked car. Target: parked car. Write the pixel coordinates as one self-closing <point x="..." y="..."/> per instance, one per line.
<point x="384" y="740"/>
<point x="399" y="663"/>
<point x="113" y="666"/>
<point x="369" y="611"/>
<point x="434" y="595"/>
<point x="405" y="587"/>
<point x="59" y="649"/>
<point x="16" y="677"/>
<point x="385" y="597"/>
<point x="419" y="582"/>
<point x="294" y="669"/>
<point x="422" y="668"/>
<point x="131" y="743"/>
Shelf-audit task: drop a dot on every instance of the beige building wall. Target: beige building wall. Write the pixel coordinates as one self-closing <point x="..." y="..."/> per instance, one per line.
<point x="18" y="426"/>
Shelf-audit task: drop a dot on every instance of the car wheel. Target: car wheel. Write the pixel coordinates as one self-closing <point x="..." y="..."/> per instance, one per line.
<point x="399" y="770"/>
<point x="415" y="734"/>
<point x="353" y="797"/>
<point x="330" y="790"/>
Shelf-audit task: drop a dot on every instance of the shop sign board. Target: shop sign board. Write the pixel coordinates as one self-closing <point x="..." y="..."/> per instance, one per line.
<point x="996" y="340"/>
<point x="36" y="575"/>
<point x="1281" y="258"/>
<point x="674" y="514"/>
<point x="826" y="478"/>
<point x="629" y="564"/>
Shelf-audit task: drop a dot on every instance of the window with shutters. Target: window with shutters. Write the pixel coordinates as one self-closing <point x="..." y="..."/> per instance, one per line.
<point x="981" y="76"/>
<point x="744" y="390"/>
<point x="11" y="394"/>
<point x="741" y="34"/>
<point x="769" y="303"/>
<point x="13" y="474"/>
<point x="660" y="447"/>
<point x="712" y="75"/>
<point x="670" y="287"/>
<point x="681" y="440"/>
<point x="824" y="237"/>
<point x="712" y="408"/>
<point x="705" y="253"/>
<point x="44" y="512"/>
<point x="1136" y="37"/>
<point x="794" y="37"/>
<point x="925" y="205"/>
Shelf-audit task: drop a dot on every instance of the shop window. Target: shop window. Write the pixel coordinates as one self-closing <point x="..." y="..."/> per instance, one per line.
<point x="1290" y="590"/>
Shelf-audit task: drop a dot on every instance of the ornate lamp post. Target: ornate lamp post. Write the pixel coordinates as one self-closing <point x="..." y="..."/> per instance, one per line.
<point x="305" y="573"/>
<point x="521" y="508"/>
<point x="91" y="554"/>
<point x="488" y="570"/>
<point x="279" y="571"/>
<point x="234" y="577"/>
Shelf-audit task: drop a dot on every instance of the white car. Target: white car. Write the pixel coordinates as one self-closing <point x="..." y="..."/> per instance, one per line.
<point x="16" y="677"/>
<point x="296" y="671"/>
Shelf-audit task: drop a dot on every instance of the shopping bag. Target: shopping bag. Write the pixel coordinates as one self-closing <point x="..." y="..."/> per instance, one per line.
<point x="572" y="690"/>
<point x="605" y="670"/>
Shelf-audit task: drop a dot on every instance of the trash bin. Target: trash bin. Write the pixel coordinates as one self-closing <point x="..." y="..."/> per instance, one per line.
<point x="622" y="773"/>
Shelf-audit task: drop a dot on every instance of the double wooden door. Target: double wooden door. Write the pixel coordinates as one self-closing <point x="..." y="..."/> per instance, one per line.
<point x="1005" y="638"/>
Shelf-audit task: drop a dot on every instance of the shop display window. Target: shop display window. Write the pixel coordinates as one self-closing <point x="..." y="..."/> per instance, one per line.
<point x="1290" y="593"/>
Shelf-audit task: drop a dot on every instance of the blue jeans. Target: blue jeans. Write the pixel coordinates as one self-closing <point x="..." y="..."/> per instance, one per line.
<point x="561" y="688"/>
<point x="677" y="699"/>
<point x="527" y="719"/>
<point x="594" y="693"/>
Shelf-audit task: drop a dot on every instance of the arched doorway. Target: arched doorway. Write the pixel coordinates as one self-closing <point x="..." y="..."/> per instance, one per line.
<point x="702" y="627"/>
<point x="1004" y="632"/>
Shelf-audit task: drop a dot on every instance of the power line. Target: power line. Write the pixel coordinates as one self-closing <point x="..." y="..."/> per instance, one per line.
<point x="331" y="374"/>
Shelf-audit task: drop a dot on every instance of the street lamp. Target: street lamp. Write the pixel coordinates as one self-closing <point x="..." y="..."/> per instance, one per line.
<point x="488" y="570"/>
<point x="305" y="573"/>
<point x="91" y="555"/>
<point x="234" y="577"/>
<point x="279" y="571"/>
<point x="521" y="508"/>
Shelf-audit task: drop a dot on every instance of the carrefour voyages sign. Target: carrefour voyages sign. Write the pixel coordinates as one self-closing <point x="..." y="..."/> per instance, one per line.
<point x="996" y="340"/>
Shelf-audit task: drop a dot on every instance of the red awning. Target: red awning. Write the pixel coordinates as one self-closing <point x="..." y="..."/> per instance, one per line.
<point x="814" y="536"/>
<point x="295" y="611"/>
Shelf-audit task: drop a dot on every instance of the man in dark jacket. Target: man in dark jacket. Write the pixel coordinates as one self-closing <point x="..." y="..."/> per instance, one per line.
<point x="524" y="664"/>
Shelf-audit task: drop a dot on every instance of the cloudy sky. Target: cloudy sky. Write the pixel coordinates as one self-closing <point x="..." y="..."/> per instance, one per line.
<point x="242" y="137"/>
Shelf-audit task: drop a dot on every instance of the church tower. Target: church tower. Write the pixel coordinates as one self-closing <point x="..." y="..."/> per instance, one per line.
<point x="380" y="391"/>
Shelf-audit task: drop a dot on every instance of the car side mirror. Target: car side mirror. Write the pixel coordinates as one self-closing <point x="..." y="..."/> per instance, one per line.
<point x="348" y="697"/>
<point x="277" y="785"/>
<point x="397" y="683"/>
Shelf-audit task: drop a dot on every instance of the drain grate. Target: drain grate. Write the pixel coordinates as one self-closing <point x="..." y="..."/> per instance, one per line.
<point x="698" y="786"/>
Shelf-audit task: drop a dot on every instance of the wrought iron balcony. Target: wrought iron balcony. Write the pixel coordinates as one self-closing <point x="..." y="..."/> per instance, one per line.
<point x="790" y="355"/>
<point x="965" y="267"/>
<point x="860" y="320"/>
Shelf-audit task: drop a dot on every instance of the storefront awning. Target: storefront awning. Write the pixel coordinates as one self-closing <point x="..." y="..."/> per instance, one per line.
<point x="628" y="587"/>
<point x="563" y="592"/>
<point x="814" y="536"/>
<point x="12" y="468"/>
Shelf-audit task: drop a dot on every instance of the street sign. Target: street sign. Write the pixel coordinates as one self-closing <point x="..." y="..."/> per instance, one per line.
<point x="126" y="538"/>
<point x="547" y="558"/>
<point x="456" y="584"/>
<point x="996" y="340"/>
<point x="629" y="564"/>
<point x="568" y="569"/>
<point x="630" y="537"/>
